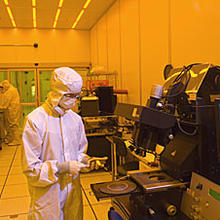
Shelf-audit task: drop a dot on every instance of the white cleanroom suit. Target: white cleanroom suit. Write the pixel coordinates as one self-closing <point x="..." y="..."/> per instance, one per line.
<point x="54" y="143"/>
<point x="10" y="103"/>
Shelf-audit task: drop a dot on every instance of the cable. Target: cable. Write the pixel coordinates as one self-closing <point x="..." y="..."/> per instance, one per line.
<point x="203" y="106"/>
<point x="185" y="132"/>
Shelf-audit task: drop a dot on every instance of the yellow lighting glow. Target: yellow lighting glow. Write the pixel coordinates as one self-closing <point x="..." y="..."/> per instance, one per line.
<point x="11" y="16"/>
<point x="60" y="3"/>
<point x="203" y="71"/>
<point x="33" y="3"/>
<point x="81" y="13"/>
<point x="56" y="18"/>
<point x="193" y="74"/>
<point x="34" y="14"/>
<point x="34" y="11"/>
<point x="79" y="16"/>
<point x="6" y="2"/>
<point x="10" y="13"/>
<point x="34" y="23"/>
<point x="57" y="14"/>
<point x="13" y="23"/>
<point x="54" y="24"/>
<point x="34" y="18"/>
<point x="86" y="4"/>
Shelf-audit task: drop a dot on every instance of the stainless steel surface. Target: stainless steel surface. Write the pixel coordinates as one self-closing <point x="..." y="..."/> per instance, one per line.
<point x="163" y="186"/>
<point x="113" y="158"/>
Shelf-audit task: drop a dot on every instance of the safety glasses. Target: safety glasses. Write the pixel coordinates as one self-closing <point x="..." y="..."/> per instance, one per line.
<point x="72" y="95"/>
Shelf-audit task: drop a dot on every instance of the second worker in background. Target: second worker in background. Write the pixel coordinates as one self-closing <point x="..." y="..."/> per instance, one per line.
<point x="10" y="107"/>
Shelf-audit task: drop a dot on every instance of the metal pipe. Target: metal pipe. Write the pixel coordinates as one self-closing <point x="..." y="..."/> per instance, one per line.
<point x="35" y="45"/>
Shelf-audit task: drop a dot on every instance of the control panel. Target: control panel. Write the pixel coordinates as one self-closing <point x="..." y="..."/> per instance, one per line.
<point x="100" y="125"/>
<point x="202" y="200"/>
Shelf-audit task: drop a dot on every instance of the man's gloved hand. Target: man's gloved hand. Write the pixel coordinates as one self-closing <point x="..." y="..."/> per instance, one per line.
<point x="93" y="163"/>
<point x="72" y="167"/>
<point x="97" y="162"/>
<point x="85" y="159"/>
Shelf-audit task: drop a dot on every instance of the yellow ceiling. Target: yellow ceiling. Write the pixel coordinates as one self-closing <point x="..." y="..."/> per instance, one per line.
<point x="46" y="12"/>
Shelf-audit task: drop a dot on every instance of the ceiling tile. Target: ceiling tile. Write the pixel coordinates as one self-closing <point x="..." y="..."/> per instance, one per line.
<point x="46" y="11"/>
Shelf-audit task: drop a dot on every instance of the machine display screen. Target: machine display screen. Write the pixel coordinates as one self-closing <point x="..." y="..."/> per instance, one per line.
<point x="217" y="116"/>
<point x="214" y="194"/>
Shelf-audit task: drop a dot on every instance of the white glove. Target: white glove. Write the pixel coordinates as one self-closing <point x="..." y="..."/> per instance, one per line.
<point x="85" y="159"/>
<point x="97" y="162"/>
<point x="72" y="167"/>
<point x="75" y="166"/>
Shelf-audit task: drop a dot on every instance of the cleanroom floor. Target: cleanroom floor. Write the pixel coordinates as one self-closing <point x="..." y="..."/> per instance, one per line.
<point x="14" y="196"/>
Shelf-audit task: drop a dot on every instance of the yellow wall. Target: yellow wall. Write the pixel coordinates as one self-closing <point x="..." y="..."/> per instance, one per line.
<point x="195" y="31"/>
<point x="142" y="36"/>
<point x="55" y="46"/>
<point x="136" y="45"/>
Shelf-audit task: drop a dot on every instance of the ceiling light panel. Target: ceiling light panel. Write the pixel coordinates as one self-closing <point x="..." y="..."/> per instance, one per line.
<point x="87" y="2"/>
<point x="78" y="18"/>
<point x="60" y="5"/>
<point x="34" y="13"/>
<point x="70" y="10"/>
<point x="22" y="11"/>
<point x="33" y="3"/>
<point x="5" y="21"/>
<point x="46" y="11"/>
<point x="93" y="13"/>
<point x="10" y="14"/>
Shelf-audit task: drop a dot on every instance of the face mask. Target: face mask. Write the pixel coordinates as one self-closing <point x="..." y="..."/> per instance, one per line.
<point x="67" y="102"/>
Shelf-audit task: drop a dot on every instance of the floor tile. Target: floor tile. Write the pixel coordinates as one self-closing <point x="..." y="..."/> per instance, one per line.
<point x="85" y="201"/>
<point x="4" y="154"/>
<point x="92" y="199"/>
<point x="4" y="171"/>
<point x="16" y="163"/>
<point x="4" y="157"/>
<point x="8" y="148"/>
<point x="7" y="152"/>
<point x="101" y="210"/>
<point x="2" y="180"/>
<point x="14" y="202"/>
<point x="14" y="206"/>
<point x="86" y="181"/>
<point x="5" y="163"/>
<point x="15" y="217"/>
<point x="16" y="170"/>
<point x="87" y="213"/>
<point x="16" y="179"/>
<point x="11" y="147"/>
<point x="13" y="191"/>
<point x="18" y="156"/>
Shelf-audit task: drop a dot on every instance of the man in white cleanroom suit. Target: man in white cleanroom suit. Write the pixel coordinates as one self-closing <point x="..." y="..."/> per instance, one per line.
<point x="10" y="103"/>
<point x="54" y="143"/>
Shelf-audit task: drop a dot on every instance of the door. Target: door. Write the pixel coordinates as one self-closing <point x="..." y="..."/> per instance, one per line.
<point x="33" y="85"/>
<point x="25" y="82"/>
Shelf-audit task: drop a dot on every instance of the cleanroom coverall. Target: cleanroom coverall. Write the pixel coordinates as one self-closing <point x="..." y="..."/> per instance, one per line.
<point x="50" y="137"/>
<point x="10" y="101"/>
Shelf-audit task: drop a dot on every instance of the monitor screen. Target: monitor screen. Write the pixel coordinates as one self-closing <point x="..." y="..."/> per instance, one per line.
<point x="107" y="100"/>
<point x="217" y="117"/>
